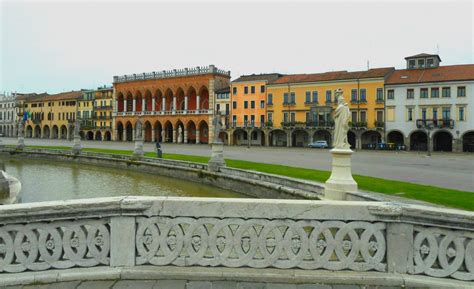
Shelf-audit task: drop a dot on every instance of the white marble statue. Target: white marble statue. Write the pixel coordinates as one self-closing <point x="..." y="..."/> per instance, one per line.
<point x="341" y="120"/>
<point x="77" y="127"/>
<point x="138" y="129"/>
<point x="20" y="128"/>
<point x="180" y="136"/>
<point x="217" y="127"/>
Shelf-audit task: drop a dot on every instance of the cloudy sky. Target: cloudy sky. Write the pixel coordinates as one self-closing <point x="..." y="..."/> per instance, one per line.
<point x="56" y="46"/>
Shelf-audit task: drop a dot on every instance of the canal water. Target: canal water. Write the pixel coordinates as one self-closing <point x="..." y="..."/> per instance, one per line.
<point x="51" y="181"/>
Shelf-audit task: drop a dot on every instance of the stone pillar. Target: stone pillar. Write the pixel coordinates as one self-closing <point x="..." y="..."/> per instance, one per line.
<point x="76" y="148"/>
<point x="51" y="133"/>
<point x="310" y="137"/>
<point x="185" y="136"/>
<point x="198" y="99"/>
<point x="153" y="104"/>
<point x="289" y="138"/>
<point x="124" y="105"/>
<point x="163" y="104"/>
<point x="133" y="134"/>
<point x="124" y="135"/>
<point x="230" y="139"/>
<point x="115" y="108"/>
<point x="430" y="143"/>
<point x="163" y="135"/>
<point x="407" y="143"/>
<point x="217" y="157"/>
<point x="134" y="106"/>
<point x="198" y="136"/>
<point x="185" y="104"/>
<point x="143" y="104"/>
<point x="267" y="138"/>
<point x="174" y="136"/>
<point x="399" y="248"/>
<point x="138" y="149"/>
<point x="115" y="136"/>
<point x="152" y="135"/>
<point x="174" y="104"/>
<point x="358" y="141"/>
<point x="122" y="241"/>
<point x="340" y="182"/>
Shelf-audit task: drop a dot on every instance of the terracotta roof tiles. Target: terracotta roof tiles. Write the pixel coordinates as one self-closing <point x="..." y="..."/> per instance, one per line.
<point x="438" y="74"/>
<point x="334" y="76"/>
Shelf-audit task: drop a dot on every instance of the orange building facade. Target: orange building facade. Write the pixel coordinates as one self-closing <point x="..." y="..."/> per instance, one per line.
<point x="174" y="106"/>
<point x="249" y="107"/>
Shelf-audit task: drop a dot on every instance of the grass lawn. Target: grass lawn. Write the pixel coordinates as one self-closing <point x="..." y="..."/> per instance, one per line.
<point x="446" y="197"/>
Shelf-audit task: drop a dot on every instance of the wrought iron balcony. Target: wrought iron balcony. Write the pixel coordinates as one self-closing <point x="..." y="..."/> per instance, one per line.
<point x="432" y="123"/>
<point x="358" y="125"/>
<point x="247" y="124"/>
<point x="103" y="107"/>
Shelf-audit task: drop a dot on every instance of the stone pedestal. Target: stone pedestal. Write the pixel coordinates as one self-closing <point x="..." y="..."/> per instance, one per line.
<point x="76" y="148"/>
<point x="340" y="182"/>
<point x="217" y="157"/>
<point x="20" y="143"/>
<point x="138" y="150"/>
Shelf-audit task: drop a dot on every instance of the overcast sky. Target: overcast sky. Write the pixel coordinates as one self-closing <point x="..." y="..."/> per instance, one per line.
<point x="52" y="46"/>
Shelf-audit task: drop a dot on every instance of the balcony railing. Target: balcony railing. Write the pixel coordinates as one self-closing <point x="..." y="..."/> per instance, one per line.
<point x="171" y="73"/>
<point x="379" y="124"/>
<point x="103" y="107"/>
<point x="439" y="123"/>
<point x="249" y="124"/>
<point x="358" y="125"/>
<point x="166" y="112"/>
<point x="308" y="124"/>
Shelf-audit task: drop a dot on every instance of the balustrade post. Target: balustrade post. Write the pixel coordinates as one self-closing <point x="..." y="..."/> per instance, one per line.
<point x="122" y="241"/>
<point x="399" y="248"/>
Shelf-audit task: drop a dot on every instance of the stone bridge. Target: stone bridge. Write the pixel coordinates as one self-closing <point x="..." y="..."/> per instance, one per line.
<point x="167" y="242"/>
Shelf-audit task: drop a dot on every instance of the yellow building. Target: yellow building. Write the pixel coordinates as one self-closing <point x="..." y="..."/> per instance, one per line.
<point x="85" y="113"/>
<point x="300" y="107"/>
<point x="51" y="116"/>
<point x="103" y="113"/>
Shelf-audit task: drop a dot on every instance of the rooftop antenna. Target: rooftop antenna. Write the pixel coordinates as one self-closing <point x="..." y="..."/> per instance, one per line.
<point x="437" y="48"/>
<point x="368" y="65"/>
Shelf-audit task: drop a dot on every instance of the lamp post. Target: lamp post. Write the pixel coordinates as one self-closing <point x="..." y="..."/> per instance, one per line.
<point x="428" y="125"/>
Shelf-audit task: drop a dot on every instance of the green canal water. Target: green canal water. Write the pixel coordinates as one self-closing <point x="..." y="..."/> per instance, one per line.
<point x="51" y="181"/>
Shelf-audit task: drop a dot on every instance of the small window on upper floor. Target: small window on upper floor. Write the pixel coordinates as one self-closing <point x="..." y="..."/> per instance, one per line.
<point x="234" y="90"/>
<point x="262" y="88"/>
<point x="430" y="62"/>
<point x="461" y="91"/>
<point x="246" y="90"/>
<point x="421" y="63"/>
<point x="411" y="63"/>
<point x="252" y="89"/>
<point x="390" y="94"/>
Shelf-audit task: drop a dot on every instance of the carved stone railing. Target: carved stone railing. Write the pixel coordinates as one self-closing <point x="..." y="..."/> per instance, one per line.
<point x="171" y="73"/>
<point x="238" y="233"/>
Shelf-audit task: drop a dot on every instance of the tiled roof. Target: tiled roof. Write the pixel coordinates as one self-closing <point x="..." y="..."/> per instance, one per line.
<point x="259" y="77"/>
<point x="334" y="75"/>
<point x="438" y="74"/>
<point x="423" y="55"/>
<point x="59" y="96"/>
<point x="223" y="90"/>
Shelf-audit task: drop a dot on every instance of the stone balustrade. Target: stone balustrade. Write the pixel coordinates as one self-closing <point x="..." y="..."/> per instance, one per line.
<point x="408" y="240"/>
<point x="171" y="73"/>
<point x="166" y="112"/>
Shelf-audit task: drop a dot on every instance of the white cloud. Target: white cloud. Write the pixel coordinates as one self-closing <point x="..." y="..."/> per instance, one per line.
<point x="53" y="46"/>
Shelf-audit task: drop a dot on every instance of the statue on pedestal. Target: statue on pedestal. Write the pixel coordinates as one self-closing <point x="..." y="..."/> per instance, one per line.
<point x="341" y="121"/>
<point x="216" y="122"/>
<point x="180" y="136"/>
<point x="77" y="128"/>
<point x="20" y="128"/>
<point x="138" y="129"/>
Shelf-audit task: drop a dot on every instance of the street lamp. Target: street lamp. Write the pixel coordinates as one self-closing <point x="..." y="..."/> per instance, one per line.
<point x="428" y="125"/>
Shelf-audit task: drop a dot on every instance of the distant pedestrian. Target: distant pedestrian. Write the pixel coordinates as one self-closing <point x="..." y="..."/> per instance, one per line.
<point x="159" y="153"/>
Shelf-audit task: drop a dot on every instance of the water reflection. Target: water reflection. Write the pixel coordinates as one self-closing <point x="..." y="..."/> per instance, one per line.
<point x="48" y="180"/>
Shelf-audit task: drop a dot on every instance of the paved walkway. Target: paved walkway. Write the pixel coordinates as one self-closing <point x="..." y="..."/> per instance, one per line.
<point x="449" y="170"/>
